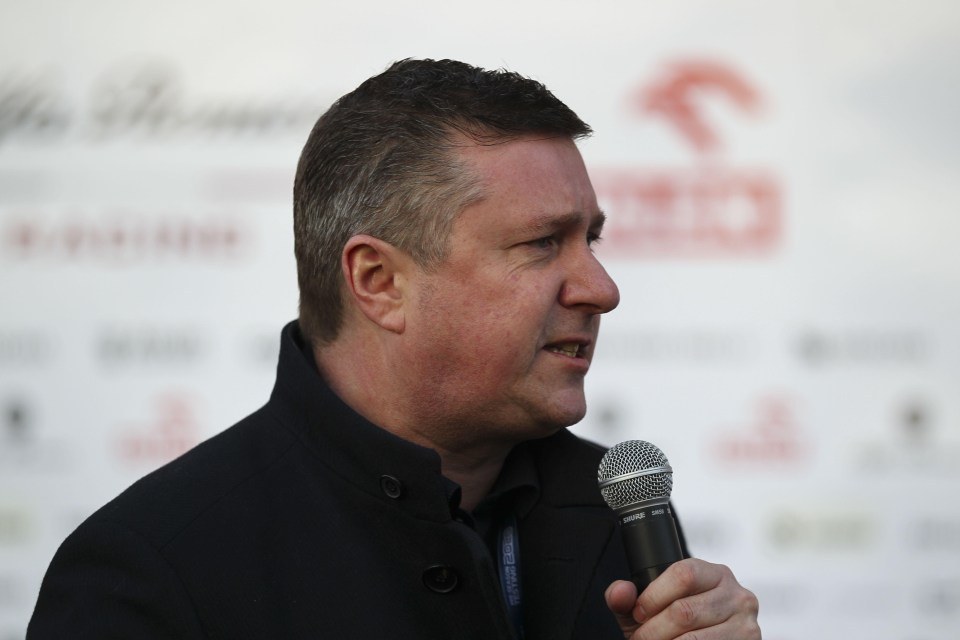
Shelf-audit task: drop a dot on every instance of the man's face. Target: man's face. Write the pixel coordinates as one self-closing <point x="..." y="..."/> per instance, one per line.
<point x="504" y="329"/>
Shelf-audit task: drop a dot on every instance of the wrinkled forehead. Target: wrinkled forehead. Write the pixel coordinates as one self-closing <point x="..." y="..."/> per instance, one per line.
<point x="530" y="160"/>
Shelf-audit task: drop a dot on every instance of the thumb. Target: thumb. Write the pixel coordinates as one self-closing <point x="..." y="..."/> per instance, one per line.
<point x="621" y="598"/>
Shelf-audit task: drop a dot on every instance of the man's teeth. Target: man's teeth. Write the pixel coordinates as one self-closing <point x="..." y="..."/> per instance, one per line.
<point x="566" y="349"/>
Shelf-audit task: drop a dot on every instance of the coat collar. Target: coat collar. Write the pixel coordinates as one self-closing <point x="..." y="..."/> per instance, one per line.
<point x="363" y="453"/>
<point x="366" y="456"/>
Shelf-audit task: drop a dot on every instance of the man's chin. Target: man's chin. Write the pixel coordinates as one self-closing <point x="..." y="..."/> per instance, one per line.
<point x="561" y="415"/>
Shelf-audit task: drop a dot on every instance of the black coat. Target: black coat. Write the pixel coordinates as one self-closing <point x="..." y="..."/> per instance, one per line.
<point x="306" y="521"/>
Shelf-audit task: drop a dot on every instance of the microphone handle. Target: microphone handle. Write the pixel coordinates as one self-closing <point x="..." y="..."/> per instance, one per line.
<point x="651" y="542"/>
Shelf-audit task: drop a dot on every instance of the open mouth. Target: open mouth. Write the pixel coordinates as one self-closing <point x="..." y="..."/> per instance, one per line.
<point x="570" y="349"/>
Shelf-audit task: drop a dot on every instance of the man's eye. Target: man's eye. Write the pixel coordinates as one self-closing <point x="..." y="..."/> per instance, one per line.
<point x="547" y="242"/>
<point x="593" y="238"/>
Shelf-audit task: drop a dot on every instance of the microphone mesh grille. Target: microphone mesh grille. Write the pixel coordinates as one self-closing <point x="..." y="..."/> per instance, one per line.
<point x="629" y="457"/>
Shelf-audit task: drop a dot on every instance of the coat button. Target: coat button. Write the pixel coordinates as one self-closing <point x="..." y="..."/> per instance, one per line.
<point x="391" y="487"/>
<point x="440" y="578"/>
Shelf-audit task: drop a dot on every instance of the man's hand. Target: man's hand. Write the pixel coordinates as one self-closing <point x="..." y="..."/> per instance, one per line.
<point x="691" y="595"/>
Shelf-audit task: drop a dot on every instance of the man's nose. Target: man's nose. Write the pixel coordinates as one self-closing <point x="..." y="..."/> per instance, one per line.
<point x="589" y="285"/>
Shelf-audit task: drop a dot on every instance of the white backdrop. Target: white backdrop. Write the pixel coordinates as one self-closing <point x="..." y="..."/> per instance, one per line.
<point x="780" y="179"/>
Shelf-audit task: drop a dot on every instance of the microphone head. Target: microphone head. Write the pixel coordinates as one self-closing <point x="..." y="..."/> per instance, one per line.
<point x="634" y="473"/>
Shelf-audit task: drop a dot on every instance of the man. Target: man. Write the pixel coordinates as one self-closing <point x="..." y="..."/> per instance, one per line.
<point x="411" y="475"/>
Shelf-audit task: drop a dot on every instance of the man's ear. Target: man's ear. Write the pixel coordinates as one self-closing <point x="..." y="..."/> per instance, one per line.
<point x="374" y="272"/>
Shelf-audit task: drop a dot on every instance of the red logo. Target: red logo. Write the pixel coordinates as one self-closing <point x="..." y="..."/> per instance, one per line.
<point x="123" y="237"/>
<point x="678" y="97"/>
<point x="170" y="432"/>
<point x="771" y="436"/>
<point x="709" y="209"/>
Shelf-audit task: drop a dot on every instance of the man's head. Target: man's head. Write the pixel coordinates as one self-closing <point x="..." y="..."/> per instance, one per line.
<point x="381" y="162"/>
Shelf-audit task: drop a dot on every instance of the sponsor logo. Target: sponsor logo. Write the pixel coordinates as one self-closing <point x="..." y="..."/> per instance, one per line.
<point x="16" y="526"/>
<point x="689" y="214"/>
<point x="772" y="437"/>
<point x="32" y="106"/>
<point x="24" y="348"/>
<point x="914" y="446"/>
<point x="794" y="531"/>
<point x="875" y="599"/>
<point x="678" y="97"/>
<point x="170" y="431"/>
<point x="939" y="598"/>
<point x="783" y="598"/>
<point x="708" y="209"/>
<point x="708" y="535"/>
<point x="142" y="99"/>
<point x="148" y="346"/>
<point x="123" y="237"/>
<point x="693" y="347"/>
<point x="262" y="349"/>
<point x="20" y="447"/>
<point x="12" y="596"/>
<point x="822" y="348"/>
<point x="16" y="422"/>
<point x="607" y="418"/>
<point x="935" y="534"/>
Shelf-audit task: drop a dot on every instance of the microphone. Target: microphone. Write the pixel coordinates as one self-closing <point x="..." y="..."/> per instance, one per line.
<point x="636" y="480"/>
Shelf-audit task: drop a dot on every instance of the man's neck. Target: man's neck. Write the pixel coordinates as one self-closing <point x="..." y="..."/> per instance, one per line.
<point x="474" y="466"/>
<point x="476" y="477"/>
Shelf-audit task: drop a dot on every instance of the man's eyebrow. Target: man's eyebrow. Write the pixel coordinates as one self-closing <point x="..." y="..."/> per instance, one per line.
<point x="553" y="223"/>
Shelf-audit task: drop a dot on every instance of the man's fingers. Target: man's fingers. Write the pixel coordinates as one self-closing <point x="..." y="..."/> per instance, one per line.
<point x="698" y="596"/>
<point x="621" y="597"/>
<point x="685" y="578"/>
<point x="702" y="611"/>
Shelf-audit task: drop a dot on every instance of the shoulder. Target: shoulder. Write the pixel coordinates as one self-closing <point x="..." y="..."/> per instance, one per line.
<point x="163" y="503"/>
<point x="119" y="563"/>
